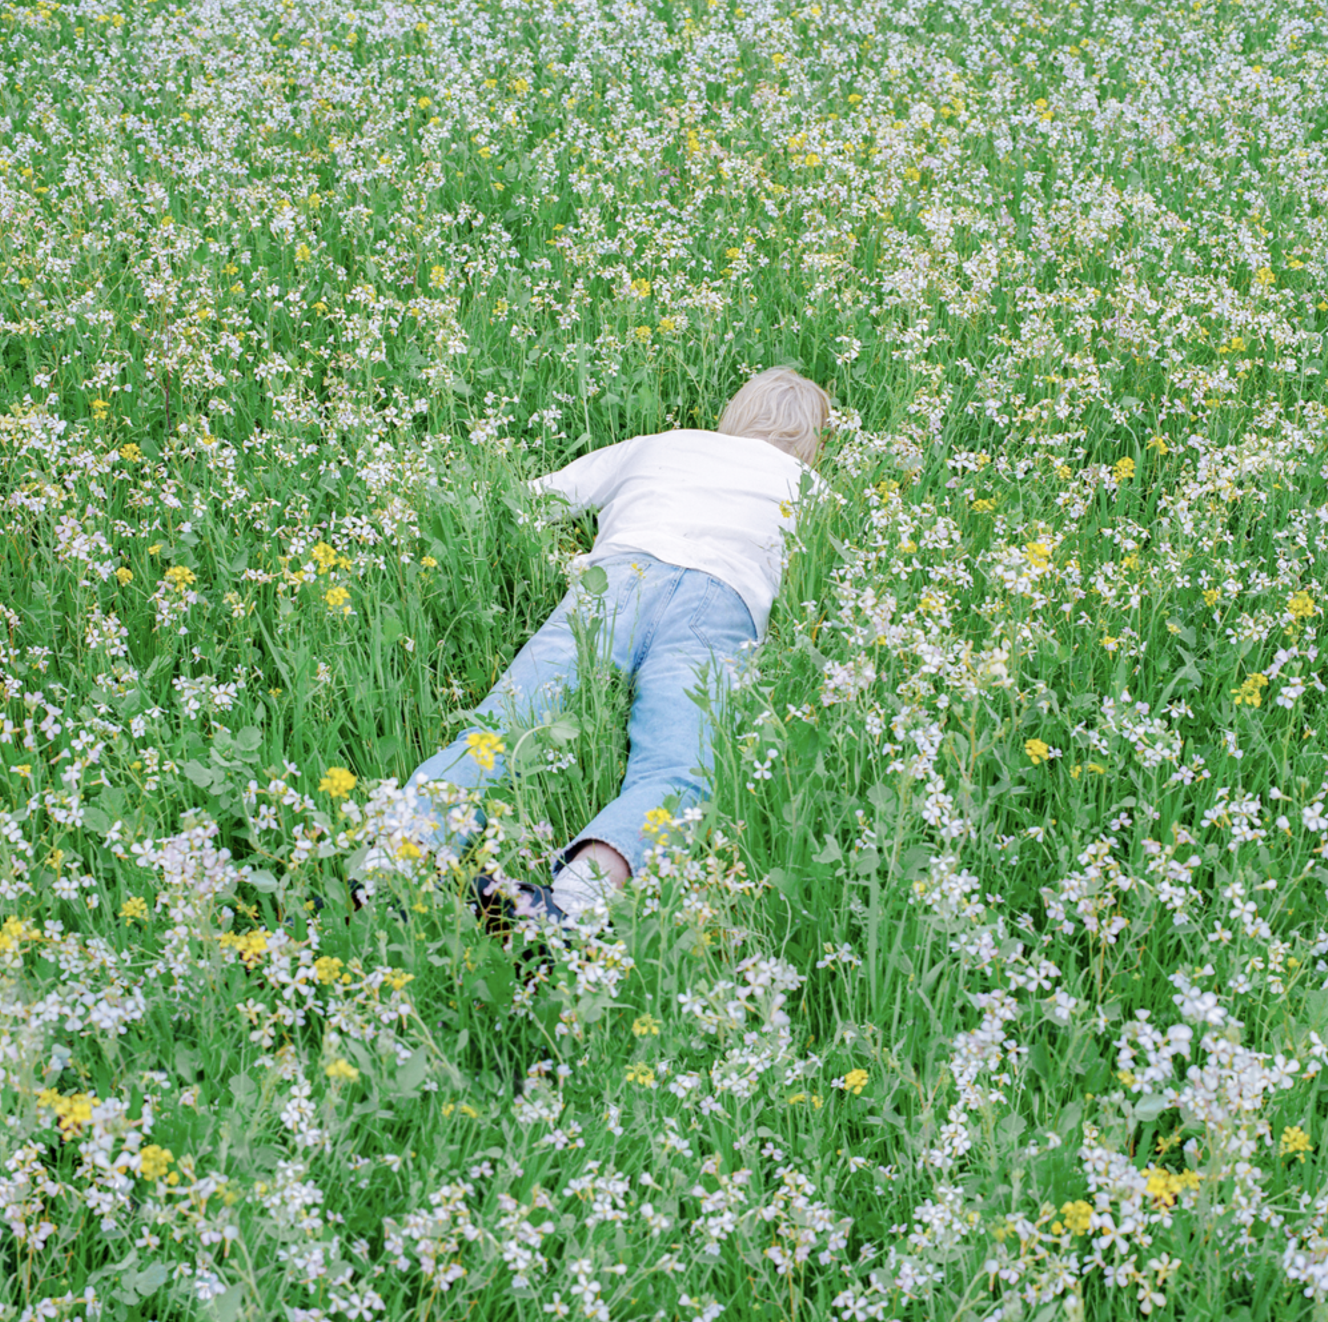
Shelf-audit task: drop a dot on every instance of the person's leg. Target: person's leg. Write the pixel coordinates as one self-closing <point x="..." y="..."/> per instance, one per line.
<point x="596" y="854"/>
<point x="533" y="687"/>
<point x="702" y="621"/>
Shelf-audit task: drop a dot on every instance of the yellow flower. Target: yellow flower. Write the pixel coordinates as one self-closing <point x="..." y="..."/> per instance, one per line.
<point x="327" y="968"/>
<point x="657" y="821"/>
<point x="641" y="288"/>
<point x="429" y="562"/>
<point x="130" y="452"/>
<point x="643" y="333"/>
<point x="1038" y="554"/>
<point x="1124" y="469"/>
<point x="642" y="1074"/>
<point x="1264" y="276"/>
<point x="324" y="556"/>
<point x="1212" y="596"/>
<point x="72" y="1112"/>
<point x="23" y="769"/>
<point x="13" y="932"/>
<point x="855" y="1081"/>
<point x="1077" y="1216"/>
<point x="484" y="747"/>
<point x="1301" y="605"/>
<point x="154" y="1161"/>
<point x="134" y="907"/>
<point x="124" y="575"/>
<point x="180" y="577"/>
<point x="338" y="599"/>
<point x="303" y="253"/>
<point x="1250" y="692"/>
<point x="342" y="1069"/>
<point x="1037" y="751"/>
<point x="1295" y="1142"/>
<point x="1163" y="1185"/>
<point x="99" y="407"/>
<point x="337" y="781"/>
<point x="667" y="324"/>
<point x="645" y="1025"/>
<point x="250" y="946"/>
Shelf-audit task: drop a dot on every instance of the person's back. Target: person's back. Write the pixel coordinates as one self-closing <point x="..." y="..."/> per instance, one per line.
<point x="700" y="499"/>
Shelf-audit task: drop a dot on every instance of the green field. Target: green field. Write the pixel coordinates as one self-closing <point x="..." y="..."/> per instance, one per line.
<point x="993" y="983"/>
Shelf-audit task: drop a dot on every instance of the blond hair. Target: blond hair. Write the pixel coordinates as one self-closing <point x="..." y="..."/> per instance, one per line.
<point x="781" y="407"/>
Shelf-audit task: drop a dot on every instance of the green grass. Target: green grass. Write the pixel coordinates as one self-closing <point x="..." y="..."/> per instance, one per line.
<point x="991" y="984"/>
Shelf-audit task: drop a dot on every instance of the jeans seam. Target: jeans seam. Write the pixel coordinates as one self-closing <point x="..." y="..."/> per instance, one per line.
<point x="698" y="614"/>
<point x="643" y="647"/>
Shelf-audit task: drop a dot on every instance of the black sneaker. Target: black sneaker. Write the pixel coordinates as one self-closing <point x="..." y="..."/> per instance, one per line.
<point x="538" y="902"/>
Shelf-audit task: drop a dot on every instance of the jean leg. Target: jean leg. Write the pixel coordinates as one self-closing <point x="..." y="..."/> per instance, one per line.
<point x="532" y="689"/>
<point x="671" y="735"/>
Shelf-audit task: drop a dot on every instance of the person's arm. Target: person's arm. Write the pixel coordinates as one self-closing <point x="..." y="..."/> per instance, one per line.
<point x="585" y="483"/>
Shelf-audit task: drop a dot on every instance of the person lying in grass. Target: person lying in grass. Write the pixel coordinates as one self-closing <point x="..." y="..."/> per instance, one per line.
<point x="690" y="539"/>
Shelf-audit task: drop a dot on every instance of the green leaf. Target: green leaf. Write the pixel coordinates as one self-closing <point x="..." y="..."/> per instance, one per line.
<point x="263" y="880"/>
<point x="883" y="799"/>
<point x="564" y="729"/>
<point x="831" y="853"/>
<point x="96" y="820"/>
<point x="595" y="581"/>
<point x="412" y="1073"/>
<point x="150" y="1279"/>
<point x="201" y="775"/>
<point x="226" y="1307"/>
<point x="248" y="740"/>
<point x="1150" y="1107"/>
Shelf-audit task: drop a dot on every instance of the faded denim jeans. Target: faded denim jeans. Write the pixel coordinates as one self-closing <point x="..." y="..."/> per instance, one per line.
<point x="662" y="626"/>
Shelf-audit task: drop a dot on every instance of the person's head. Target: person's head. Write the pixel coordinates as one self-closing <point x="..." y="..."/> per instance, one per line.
<point x="781" y="407"/>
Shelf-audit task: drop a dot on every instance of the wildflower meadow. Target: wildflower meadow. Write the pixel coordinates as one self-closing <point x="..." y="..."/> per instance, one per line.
<point x="991" y="982"/>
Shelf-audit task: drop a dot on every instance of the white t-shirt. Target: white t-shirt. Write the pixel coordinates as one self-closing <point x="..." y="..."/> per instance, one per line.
<point x="693" y="498"/>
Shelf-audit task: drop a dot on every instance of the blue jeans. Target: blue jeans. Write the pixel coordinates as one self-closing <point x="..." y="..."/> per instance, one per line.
<point x="660" y="625"/>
